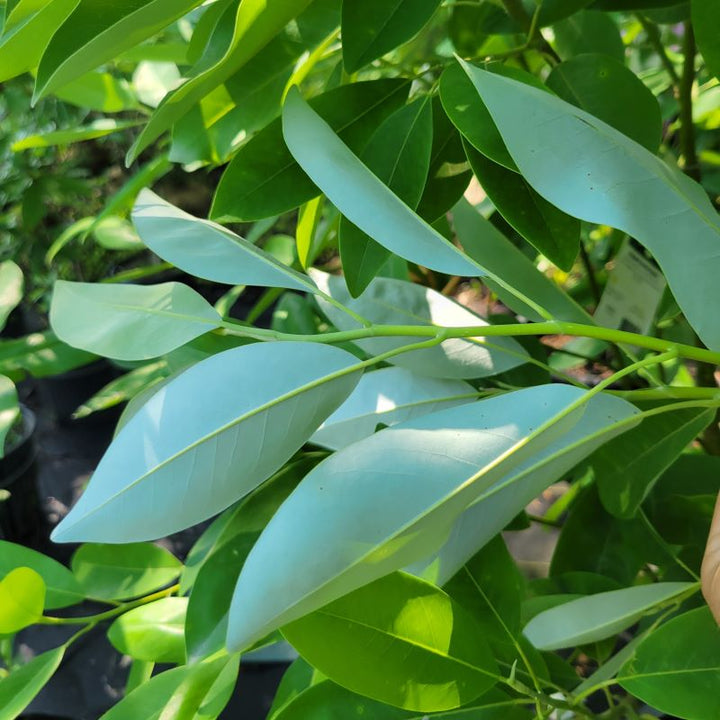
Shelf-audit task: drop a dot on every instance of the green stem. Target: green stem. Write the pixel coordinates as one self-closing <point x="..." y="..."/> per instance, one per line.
<point x="687" y="126"/>
<point x="92" y="620"/>
<point x="512" y="330"/>
<point x="653" y="34"/>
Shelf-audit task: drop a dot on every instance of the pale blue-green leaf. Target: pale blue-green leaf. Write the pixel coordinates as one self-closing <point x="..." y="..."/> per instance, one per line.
<point x="599" y="616"/>
<point x="441" y="463"/>
<point x="18" y="689"/>
<point x="352" y="188"/>
<point x="256" y="22"/>
<point x="129" y="322"/>
<point x="178" y="461"/>
<point x="387" y="301"/>
<point x="208" y="250"/>
<point x="389" y="396"/>
<point x="604" y="417"/>
<point x="11" y="289"/>
<point x="591" y="171"/>
<point x="96" y="33"/>
<point x="9" y="409"/>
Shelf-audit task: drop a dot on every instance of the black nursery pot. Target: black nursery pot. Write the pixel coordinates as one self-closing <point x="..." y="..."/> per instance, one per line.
<point x="21" y="517"/>
<point x="66" y="392"/>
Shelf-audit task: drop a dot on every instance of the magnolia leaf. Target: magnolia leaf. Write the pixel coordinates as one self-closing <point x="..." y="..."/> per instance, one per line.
<point x="129" y="322"/>
<point x="177" y="462"/>
<point x="11" y="289"/>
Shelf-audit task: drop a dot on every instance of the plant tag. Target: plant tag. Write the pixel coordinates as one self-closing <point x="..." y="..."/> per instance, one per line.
<point x="632" y="294"/>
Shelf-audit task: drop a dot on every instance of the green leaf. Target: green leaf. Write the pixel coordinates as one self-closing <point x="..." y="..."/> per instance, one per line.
<point x="398" y="302"/>
<point x="498" y="504"/>
<point x="676" y="669"/>
<point x="298" y="678"/>
<point x="189" y="692"/>
<point x="240" y="434"/>
<point x="554" y="10"/>
<point x="121" y="572"/>
<point x="483" y="242"/>
<point x="399" y="155"/>
<point x="352" y="188"/>
<point x="588" y="31"/>
<point x="9" y="409"/>
<point x="599" y="616"/>
<point x="388" y="396"/>
<point x="96" y="129"/>
<point x="584" y="166"/>
<point x="592" y="540"/>
<point x="28" y="29"/>
<point x="256" y="22"/>
<point x="129" y="322"/>
<point x="605" y="88"/>
<point x="22" y="597"/>
<point x="94" y="34"/>
<point x="215" y="561"/>
<point x="441" y="463"/>
<point x="40" y="354"/>
<point x="116" y="233"/>
<point x="470" y="116"/>
<point x="263" y="179"/>
<point x="98" y="91"/>
<point x="207" y="250"/>
<point x="401" y="641"/>
<point x="154" y="632"/>
<point x="11" y="289"/>
<point x="18" y="689"/>
<point x="371" y="28"/>
<point x="62" y="589"/>
<point x="706" y="24"/>
<point x="449" y="174"/>
<point x="627" y="468"/>
<point x="552" y="232"/>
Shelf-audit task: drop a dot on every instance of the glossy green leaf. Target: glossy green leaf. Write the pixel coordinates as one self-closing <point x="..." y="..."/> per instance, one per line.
<point x="215" y="561"/>
<point x="11" y="289"/>
<point x="584" y="166"/>
<point x="41" y="355"/>
<point x="482" y="241"/>
<point x="188" y="692"/>
<point x="399" y="155"/>
<point x="449" y="174"/>
<point x="554" y="10"/>
<point x="588" y="31"/>
<point x="98" y="91"/>
<point x="599" y="616"/>
<point x="676" y="669"/>
<point x="22" y="597"/>
<point x="256" y="22"/>
<point x="371" y="28"/>
<point x="120" y="572"/>
<point x="222" y="448"/>
<point x="297" y="679"/>
<point x="627" y="468"/>
<point x="387" y="397"/>
<point x="470" y="116"/>
<point x="263" y="179"/>
<point x="9" y="409"/>
<point x="352" y="188"/>
<point x="552" y="232"/>
<point x="605" y="88"/>
<point x="93" y="34"/>
<point x="208" y="250"/>
<point x="129" y="322"/>
<point x="706" y="24"/>
<point x="154" y="632"/>
<point x="401" y="641"/>
<point x="397" y="302"/>
<point x="95" y="129"/>
<point x="28" y="29"/>
<point x="18" y="689"/>
<point x="441" y="463"/>
<point x="62" y="589"/>
<point x="497" y="505"/>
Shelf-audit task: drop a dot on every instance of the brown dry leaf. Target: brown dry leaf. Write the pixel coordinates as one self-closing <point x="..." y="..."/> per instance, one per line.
<point x="710" y="573"/>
